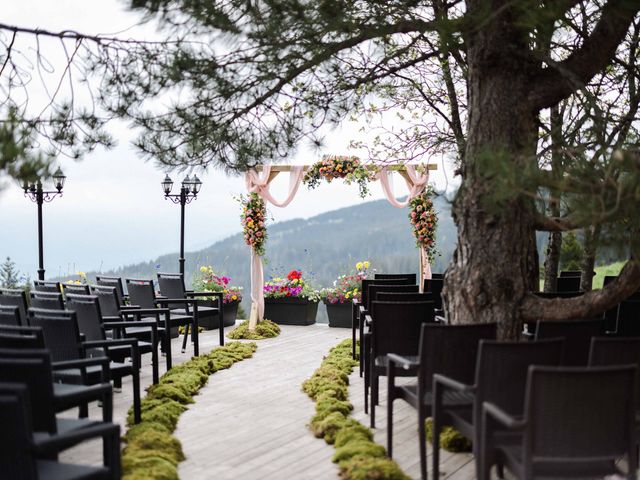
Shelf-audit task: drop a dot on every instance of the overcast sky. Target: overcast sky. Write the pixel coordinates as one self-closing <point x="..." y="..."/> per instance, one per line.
<point x="113" y="211"/>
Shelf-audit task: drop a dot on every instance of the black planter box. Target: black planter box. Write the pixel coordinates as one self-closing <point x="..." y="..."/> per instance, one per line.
<point x="339" y="314"/>
<point x="210" y="322"/>
<point x="290" y="311"/>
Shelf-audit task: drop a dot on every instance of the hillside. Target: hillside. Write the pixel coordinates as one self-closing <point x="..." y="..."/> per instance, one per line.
<point x="323" y="246"/>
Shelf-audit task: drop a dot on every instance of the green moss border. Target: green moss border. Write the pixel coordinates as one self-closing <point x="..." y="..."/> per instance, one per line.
<point x="357" y="455"/>
<point x="264" y="329"/>
<point x="151" y="450"/>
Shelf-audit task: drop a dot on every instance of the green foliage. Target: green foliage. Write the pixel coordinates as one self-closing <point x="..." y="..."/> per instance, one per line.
<point x="151" y="451"/>
<point x="604" y="271"/>
<point x="264" y="329"/>
<point x="571" y="252"/>
<point x="450" y="439"/>
<point x="358" y="456"/>
<point x="9" y="274"/>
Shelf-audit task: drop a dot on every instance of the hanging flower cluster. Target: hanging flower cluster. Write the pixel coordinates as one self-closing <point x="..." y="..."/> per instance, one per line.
<point x="253" y="217"/>
<point x="336" y="166"/>
<point x="347" y="287"/>
<point x="209" y="281"/>
<point x="424" y="221"/>
<point x="293" y="285"/>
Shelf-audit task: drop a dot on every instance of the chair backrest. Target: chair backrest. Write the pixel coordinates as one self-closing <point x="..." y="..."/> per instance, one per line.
<point x="370" y="281"/>
<point x="47" y="300"/>
<point x="373" y="290"/>
<point x="595" y="407"/>
<point x="108" y="299"/>
<point x="75" y="289"/>
<point x="141" y="293"/>
<point x="171" y="285"/>
<point x="434" y="286"/>
<point x="438" y="276"/>
<point x="451" y="350"/>
<point x="577" y="335"/>
<point x="15" y="297"/>
<point x="628" y="319"/>
<point x="568" y="284"/>
<point x="60" y="331"/>
<point x="9" y="315"/>
<point x="501" y="370"/>
<point x="404" y="297"/>
<point x="571" y="273"/>
<point x="396" y="326"/>
<point x="112" y="282"/>
<point x="33" y="368"/>
<point x="410" y="277"/>
<point x="16" y="458"/>
<point x="21" y="337"/>
<point x="616" y="351"/>
<point x="88" y="315"/>
<point x="43" y="286"/>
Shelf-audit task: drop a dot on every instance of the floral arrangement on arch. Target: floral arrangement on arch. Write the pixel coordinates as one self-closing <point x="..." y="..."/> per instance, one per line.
<point x="209" y="281"/>
<point x="424" y="221"/>
<point x="347" y="168"/>
<point x="347" y="287"/>
<point x="253" y="218"/>
<point x="293" y="285"/>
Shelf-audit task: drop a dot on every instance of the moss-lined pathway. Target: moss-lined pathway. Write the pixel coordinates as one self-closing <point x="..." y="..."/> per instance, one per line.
<point x="249" y="422"/>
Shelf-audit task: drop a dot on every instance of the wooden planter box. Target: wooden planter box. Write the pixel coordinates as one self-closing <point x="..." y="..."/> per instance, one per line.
<point x="339" y="314"/>
<point x="290" y="311"/>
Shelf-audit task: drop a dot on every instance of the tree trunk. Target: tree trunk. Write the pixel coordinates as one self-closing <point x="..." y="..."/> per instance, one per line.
<point x="591" y="236"/>
<point x="552" y="258"/>
<point x="552" y="262"/>
<point x="495" y="263"/>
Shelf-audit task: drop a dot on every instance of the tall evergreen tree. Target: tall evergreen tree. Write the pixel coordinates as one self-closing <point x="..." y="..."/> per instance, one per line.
<point x="9" y="275"/>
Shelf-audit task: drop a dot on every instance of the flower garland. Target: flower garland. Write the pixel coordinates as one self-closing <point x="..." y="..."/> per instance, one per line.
<point x="336" y="166"/>
<point x="253" y="219"/>
<point x="424" y="221"/>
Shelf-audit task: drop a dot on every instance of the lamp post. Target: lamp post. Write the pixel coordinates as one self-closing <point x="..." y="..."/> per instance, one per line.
<point x="189" y="190"/>
<point x="36" y="194"/>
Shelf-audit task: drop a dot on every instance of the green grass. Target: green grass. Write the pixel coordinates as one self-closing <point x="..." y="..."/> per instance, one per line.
<point x="604" y="270"/>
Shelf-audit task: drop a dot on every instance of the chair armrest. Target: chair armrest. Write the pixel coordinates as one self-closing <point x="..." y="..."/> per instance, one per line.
<point x="120" y="324"/>
<point x="503" y="418"/>
<point x="89" y="392"/>
<point x="111" y="343"/>
<point x="368" y="320"/>
<point x="403" y="362"/>
<point x="82" y="362"/>
<point x="440" y="319"/>
<point x="185" y="301"/>
<point x="144" y="311"/>
<point x="450" y="384"/>
<point x="204" y="294"/>
<point x="129" y="307"/>
<point x="61" y="441"/>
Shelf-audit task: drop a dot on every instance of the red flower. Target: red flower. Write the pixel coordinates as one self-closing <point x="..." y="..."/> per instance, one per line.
<point x="294" y="275"/>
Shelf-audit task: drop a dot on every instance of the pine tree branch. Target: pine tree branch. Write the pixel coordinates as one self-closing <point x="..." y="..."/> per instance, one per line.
<point x="561" y="79"/>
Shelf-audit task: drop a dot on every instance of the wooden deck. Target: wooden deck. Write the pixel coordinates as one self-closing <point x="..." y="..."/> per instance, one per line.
<point x="249" y="422"/>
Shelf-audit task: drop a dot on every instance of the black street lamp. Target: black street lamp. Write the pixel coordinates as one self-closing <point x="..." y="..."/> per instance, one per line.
<point x="34" y="192"/>
<point x="188" y="191"/>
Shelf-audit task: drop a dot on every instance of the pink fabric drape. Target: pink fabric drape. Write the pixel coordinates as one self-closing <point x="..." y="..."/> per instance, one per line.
<point x="259" y="184"/>
<point x="416" y="184"/>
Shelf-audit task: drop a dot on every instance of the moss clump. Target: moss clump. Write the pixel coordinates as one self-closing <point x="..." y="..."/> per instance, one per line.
<point x="364" y="467"/>
<point x="359" y="457"/>
<point x="145" y="468"/>
<point x="151" y="451"/>
<point x="264" y="329"/>
<point x="181" y="330"/>
<point x="450" y="439"/>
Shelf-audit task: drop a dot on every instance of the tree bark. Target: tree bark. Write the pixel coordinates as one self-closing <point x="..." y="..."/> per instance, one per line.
<point x="591" y="236"/>
<point x="495" y="263"/>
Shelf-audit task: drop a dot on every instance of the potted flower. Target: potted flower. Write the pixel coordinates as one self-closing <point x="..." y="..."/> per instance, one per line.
<point x="209" y="281"/>
<point x="290" y="300"/>
<point x="338" y="299"/>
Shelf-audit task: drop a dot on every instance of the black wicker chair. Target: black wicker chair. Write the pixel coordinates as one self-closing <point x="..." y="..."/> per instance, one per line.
<point x="75" y="289"/>
<point x="577" y="335"/>
<point x="10" y="315"/>
<point x="434" y="285"/>
<point x="404" y="297"/>
<point x="172" y="286"/>
<point x="395" y="329"/>
<point x="409" y="277"/>
<point x="94" y="327"/>
<point x="113" y="282"/>
<point x="66" y="396"/>
<point x="138" y="326"/>
<point x="46" y="300"/>
<point x="577" y="423"/>
<point x="501" y="375"/>
<point x="627" y="322"/>
<point x="16" y="298"/>
<point x="62" y="338"/>
<point x="449" y="350"/>
<point x="568" y="284"/>
<point x="22" y="453"/>
<point x="359" y="309"/>
<point x="51" y="287"/>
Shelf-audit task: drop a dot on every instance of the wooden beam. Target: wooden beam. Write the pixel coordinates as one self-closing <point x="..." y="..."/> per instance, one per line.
<point x="394" y="167"/>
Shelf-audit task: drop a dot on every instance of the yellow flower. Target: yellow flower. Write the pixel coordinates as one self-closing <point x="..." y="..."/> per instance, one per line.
<point x="366" y="264"/>
<point x="82" y="274"/>
<point x="359" y="266"/>
<point x="234" y="297"/>
<point x="204" y="269"/>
